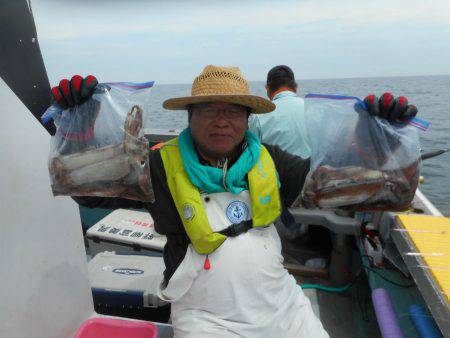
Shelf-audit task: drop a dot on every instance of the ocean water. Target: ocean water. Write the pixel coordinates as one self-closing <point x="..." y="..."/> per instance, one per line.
<point x="431" y="94"/>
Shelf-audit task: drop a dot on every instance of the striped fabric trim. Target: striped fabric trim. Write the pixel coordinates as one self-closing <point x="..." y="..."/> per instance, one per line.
<point x="131" y="86"/>
<point x="419" y="123"/>
<point x="332" y="97"/>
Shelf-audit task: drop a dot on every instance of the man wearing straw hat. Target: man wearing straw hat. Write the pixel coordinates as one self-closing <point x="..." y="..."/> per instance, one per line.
<point x="231" y="281"/>
<point x="218" y="191"/>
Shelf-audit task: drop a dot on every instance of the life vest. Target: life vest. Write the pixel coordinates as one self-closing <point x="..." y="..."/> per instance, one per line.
<point x="263" y="189"/>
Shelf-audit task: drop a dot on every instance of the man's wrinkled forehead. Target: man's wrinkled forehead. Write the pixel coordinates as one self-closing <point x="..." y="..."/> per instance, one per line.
<point x="216" y="105"/>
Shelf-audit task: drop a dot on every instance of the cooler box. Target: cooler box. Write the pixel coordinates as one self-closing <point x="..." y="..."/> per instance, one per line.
<point x="125" y="231"/>
<point x="126" y="280"/>
<point x="126" y="285"/>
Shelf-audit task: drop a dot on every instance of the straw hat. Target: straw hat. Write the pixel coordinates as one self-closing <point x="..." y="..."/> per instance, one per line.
<point x="221" y="84"/>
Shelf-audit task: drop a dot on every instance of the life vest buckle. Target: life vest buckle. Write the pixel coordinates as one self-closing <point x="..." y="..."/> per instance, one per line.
<point x="236" y="229"/>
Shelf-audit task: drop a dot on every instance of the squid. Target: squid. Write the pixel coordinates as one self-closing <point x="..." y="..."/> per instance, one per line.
<point x="120" y="170"/>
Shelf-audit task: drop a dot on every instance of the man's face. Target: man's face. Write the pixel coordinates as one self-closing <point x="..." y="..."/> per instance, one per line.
<point x="218" y="128"/>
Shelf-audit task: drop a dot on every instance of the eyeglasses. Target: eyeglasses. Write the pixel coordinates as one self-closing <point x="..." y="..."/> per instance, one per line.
<point x="211" y="113"/>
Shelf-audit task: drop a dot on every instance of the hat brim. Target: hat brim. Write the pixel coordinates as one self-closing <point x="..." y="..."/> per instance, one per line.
<point x="258" y="105"/>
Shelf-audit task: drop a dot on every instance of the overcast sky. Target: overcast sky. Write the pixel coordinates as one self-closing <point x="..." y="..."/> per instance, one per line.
<point x="171" y="41"/>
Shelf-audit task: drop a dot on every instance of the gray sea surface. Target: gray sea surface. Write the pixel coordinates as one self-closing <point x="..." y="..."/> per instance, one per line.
<point x="431" y="94"/>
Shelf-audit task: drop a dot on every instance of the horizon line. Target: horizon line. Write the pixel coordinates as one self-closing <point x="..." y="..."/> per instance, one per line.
<point x="324" y="78"/>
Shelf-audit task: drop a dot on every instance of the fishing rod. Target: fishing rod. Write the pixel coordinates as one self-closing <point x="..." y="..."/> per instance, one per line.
<point x="22" y="66"/>
<point x="435" y="153"/>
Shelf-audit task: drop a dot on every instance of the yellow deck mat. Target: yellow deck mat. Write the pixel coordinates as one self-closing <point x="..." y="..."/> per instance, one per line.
<point x="431" y="236"/>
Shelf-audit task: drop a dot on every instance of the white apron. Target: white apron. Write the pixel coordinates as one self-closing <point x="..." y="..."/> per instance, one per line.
<point x="246" y="292"/>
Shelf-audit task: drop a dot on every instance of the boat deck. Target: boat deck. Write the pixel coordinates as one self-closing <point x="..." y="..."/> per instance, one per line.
<point x="348" y="314"/>
<point x="423" y="241"/>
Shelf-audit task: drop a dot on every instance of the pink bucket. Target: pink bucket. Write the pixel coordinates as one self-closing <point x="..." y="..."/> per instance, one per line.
<point x="116" y="328"/>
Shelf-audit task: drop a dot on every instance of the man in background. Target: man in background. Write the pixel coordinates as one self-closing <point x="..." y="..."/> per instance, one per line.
<point x="285" y="126"/>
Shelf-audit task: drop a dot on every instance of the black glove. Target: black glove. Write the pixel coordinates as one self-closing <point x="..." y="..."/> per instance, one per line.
<point x="390" y="108"/>
<point x="73" y="92"/>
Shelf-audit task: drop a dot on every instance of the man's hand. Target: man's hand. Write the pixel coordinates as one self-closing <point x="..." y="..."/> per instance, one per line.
<point x="390" y="108"/>
<point x="76" y="91"/>
<point x="78" y="130"/>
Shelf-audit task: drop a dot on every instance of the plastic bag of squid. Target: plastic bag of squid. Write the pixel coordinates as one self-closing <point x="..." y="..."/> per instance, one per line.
<point x="99" y="148"/>
<point x="359" y="162"/>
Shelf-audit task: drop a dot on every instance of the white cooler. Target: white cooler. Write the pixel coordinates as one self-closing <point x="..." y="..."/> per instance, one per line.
<point x="126" y="281"/>
<point x="127" y="232"/>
